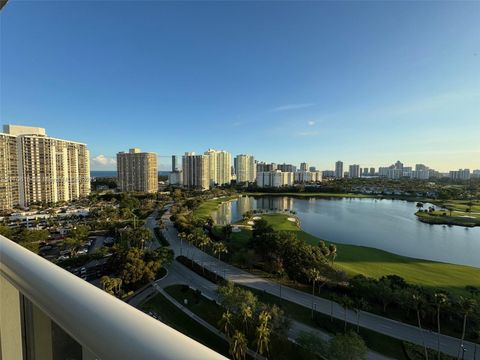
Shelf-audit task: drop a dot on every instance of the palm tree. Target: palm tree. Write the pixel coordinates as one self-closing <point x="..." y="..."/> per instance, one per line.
<point x="219" y="248"/>
<point x="360" y="305"/>
<point x="346" y="303"/>
<point x="238" y="346"/>
<point x="246" y="313"/>
<point x="225" y="322"/>
<point x="262" y="339"/>
<point x="467" y="305"/>
<point x="440" y="300"/>
<point x="419" y="303"/>
<point x="419" y="205"/>
<point x="314" y="276"/>
<point x="333" y="252"/>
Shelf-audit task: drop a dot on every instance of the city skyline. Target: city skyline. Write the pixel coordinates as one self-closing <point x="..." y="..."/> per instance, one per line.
<point x="284" y="83"/>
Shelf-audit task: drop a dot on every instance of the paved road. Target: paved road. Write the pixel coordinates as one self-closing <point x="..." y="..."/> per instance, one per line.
<point x="399" y="330"/>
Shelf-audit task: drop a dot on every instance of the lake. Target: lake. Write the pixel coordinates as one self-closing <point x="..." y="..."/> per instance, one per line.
<point x="390" y="225"/>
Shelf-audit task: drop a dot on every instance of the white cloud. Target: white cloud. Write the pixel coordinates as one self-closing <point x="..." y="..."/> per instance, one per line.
<point x="101" y="162"/>
<point x="291" y="107"/>
<point x="311" y="123"/>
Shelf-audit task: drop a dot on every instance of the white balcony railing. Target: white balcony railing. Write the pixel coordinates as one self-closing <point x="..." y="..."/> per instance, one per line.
<point x="105" y="327"/>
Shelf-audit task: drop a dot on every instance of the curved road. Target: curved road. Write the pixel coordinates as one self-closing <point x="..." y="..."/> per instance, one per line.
<point x="393" y="328"/>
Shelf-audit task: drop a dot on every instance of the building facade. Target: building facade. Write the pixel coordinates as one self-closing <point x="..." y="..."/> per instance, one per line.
<point x="245" y="168"/>
<point x="137" y="171"/>
<point x="354" y="171"/>
<point x="196" y="171"/>
<point x="9" y="190"/>
<point x="275" y="178"/>
<point x="287" y="167"/>
<point x="176" y="165"/>
<point x="307" y="176"/>
<point x="220" y="167"/>
<point x="339" y="169"/>
<point x="47" y="170"/>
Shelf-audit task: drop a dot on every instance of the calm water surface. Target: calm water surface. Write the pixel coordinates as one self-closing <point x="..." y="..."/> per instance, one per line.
<point x="384" y="224"/>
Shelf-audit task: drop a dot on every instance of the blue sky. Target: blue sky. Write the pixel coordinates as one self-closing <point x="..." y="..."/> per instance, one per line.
<point x="364" y="82"/>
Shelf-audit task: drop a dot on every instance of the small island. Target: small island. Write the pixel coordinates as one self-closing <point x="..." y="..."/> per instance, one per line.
<point x="454" y="212"/>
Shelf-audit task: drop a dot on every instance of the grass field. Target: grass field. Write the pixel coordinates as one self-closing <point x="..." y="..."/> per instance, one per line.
<point x="459" y="218"/>
<point x="178" y="320"/>
<point x="207" y="207"/>
<point x="375" y="263"/>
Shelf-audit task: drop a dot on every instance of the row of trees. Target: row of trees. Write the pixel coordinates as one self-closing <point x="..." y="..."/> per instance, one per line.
<point x="427" y="306"/>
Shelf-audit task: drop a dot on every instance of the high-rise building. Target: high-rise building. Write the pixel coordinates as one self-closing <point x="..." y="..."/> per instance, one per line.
<point x="245" y="168"/>
<point x="137" y="171"/>
<point x="264" y="167"/>
<point x="220" y="164"/>
<point x="196" y="171"/>
<point x="365" y="172"/>
<point x="275" y="178"/>
<point x="286" y="167"/>
<point x="354" y="171"/>
<point x="421" y="167"/>
<point x="461" y="174"/>
<point x="9" y="197"/>
<point x="328" y="174"/>
<point x="372" y="171"/>
<point x="398" y="165"/>
<point x="339" y="169"/>
<point x="312" y="168"/>
<point x="176" y="165"/>
<point x="44" y="169"/>
<point x="303" y="166"/>
<point x="307" y="176"/>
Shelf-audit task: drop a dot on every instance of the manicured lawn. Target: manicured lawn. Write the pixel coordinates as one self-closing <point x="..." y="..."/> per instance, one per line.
<point x="198" y="304"/>
<point x="207" y="207"/>
<point x="375" y="263"/>
<point x="175" y="318"/>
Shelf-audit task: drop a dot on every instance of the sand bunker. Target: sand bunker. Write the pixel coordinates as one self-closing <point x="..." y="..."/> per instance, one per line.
<point x="292" y="219"/>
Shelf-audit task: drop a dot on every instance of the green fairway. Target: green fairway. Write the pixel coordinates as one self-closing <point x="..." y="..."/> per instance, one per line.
<point x="207" y="207"/>
<point x="375" y="263"/>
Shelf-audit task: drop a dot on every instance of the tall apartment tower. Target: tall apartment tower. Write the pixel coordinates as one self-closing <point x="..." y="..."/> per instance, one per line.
<point x="9" y="197"/>
<point x="220" y="165"/>
<point x="137" y="171"/>
<point x="245" y="168"/>
<point x="339" y="169"/>
<point x="176" y="165"/>
<point x="196" y="171"/>
<point x="303" y="166"/>
<point x="48" y="170"/>
<point x="354" y="171"/>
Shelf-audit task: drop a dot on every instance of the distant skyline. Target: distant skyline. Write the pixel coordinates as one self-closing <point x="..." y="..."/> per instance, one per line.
<point x="367" y="83"/>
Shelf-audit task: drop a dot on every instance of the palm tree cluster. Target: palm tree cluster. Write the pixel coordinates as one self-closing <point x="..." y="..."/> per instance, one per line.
<point x="246" y="321"/>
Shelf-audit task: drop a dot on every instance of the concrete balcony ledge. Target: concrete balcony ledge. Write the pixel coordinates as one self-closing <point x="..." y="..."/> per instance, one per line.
<point x="103" y="325"/>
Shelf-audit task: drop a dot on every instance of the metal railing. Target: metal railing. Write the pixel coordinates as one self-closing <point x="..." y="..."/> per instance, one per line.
<point x="102" y="324"/>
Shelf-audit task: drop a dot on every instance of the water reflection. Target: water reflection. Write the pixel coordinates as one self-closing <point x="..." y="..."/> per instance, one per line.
<point x="385" y="224"/>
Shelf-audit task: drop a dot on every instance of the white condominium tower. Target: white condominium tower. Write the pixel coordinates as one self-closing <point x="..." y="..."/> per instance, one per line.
<point x="354" y="171"/>
<point x="245" y="168"/>
<point x="44" y="169"/>
<point x="137" y="171"/>
<point x="196" y="171"/>
<point x="220" y="166"/>
<point x="339" y="169"/>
